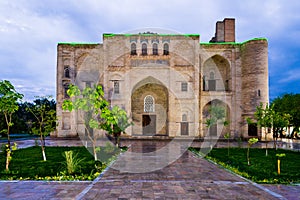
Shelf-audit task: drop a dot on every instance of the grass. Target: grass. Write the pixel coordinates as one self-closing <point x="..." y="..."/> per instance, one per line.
<point x="28" y="164"/>
<point x="262" y="168"/>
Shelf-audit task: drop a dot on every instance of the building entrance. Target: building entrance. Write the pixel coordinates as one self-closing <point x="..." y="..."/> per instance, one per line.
<point x="149" y="124"/>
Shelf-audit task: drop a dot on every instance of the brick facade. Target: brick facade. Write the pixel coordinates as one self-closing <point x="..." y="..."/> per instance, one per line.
<point x="182" y="76"/>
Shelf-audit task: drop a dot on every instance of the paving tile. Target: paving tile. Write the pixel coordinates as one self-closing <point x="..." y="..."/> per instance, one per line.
<point x="185" y="178"/>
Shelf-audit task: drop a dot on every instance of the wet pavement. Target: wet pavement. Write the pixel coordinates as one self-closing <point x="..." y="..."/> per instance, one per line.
<point x="151" y="170"/>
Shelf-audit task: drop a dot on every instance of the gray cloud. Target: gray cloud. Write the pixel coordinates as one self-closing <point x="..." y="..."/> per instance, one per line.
<point x="31" y="29"/>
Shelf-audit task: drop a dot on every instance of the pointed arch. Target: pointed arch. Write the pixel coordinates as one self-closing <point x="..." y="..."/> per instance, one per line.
<point x="144" y="49"/>
<point x="222" y="74"/>
<point x="154" y="49"/>
<point x="166" y="49"/>
<point x="133" y="49"/>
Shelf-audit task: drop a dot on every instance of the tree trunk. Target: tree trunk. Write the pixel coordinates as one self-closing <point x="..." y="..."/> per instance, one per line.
<point x="8" y="152"/>
<point x="278" y="167"/>
<point x="117" y="139"/>
<point x="94" y="150"/>
<point x="8" y="137"/>
<point x="95" y="154"/>
<point x="8" y="129"/>
<point x="248" y="158"/>
<point x="266" y="141"/>
<point x="44" y="154"/>
<point x="43" y="148"/>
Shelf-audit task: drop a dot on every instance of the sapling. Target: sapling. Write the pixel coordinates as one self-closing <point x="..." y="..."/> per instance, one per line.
<point x="251" y="141"/>
<point x="227" y="136"/>
<point x="9" y="154"/>
<point x="281" y="155"/>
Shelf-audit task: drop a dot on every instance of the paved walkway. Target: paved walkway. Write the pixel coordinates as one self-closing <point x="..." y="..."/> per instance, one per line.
<point x="144" y="172"/>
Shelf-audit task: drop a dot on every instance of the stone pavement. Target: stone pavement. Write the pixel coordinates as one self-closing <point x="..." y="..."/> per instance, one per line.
<point x="133" y="176"/>
<point x="189" y="177"/>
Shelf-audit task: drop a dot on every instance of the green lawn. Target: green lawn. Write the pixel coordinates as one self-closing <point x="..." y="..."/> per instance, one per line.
<point x="262" y="169"/>
<point x="28" y="164"/>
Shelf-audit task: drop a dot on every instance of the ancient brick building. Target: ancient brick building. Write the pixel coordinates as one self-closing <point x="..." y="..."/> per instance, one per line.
<point x="168" y="82"/>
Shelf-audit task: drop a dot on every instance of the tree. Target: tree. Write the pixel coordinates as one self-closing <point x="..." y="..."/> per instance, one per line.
<point x="269" y="118"/>
<point x="92" y="104"/>
<point x="289" y="104"/>
<point x="9" y="98"/>
<point x="280" y="121"/>
<point x="217" y="113"/>
<point x="44" y="119"/>
<point x="96" y="113"/>
<point x="279" y="156"/>
<point x="251" y="142"/>
<point x="116" y="122"/>
<point x="263" y="116"/>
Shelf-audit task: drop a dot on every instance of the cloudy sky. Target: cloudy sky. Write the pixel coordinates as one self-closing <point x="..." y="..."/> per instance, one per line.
<point x="31" y="29"/>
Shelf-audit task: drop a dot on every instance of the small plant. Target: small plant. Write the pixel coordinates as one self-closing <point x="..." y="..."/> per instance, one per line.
<point x="227" y="136"/>
<point x="279" y="156"/>
<point x="72" y="162"/>
<point x="9" y="154"/>
<point x="250" y="143"/>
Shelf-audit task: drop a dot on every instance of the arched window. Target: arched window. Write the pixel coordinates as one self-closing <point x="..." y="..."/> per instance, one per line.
<point x="154" y="49"/>
<point x="166" y="49"/>
<point x="116" y="87"/>
<point x="133" y="49"/>
<point x="149" y="104"/>
<point x="184" y="118"/>
<point x="66" y="72"/>
<point x="144" y="49"/>
<point x="212" y="84"/>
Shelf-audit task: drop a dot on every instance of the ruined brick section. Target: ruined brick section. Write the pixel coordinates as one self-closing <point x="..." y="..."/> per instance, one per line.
<point x="225" y="31"/>
<point x="184" y="80"/>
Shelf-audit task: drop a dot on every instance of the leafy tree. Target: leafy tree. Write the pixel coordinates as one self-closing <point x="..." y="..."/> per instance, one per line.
<point x="96" y="113"/>
<point x="116" y="122"/>
<point x="92" y="103"/>
<point x="216" y="114"/>
<point x="280" y="121"/>
<point x="44" y="119"/>
<point x="289" y="104"/>
<point x="263" y="116"/>
<point x="268" y="117"/>
<point x="9" y="98"/>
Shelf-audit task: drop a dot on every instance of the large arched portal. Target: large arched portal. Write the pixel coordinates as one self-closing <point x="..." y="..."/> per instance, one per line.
<point x="149" y="108"/>
<point x="216" y="74"/>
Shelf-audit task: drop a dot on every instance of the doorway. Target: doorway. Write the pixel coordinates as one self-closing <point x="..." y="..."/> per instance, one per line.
<point x="184" y="128"/>
<point x="149" y="124"/>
